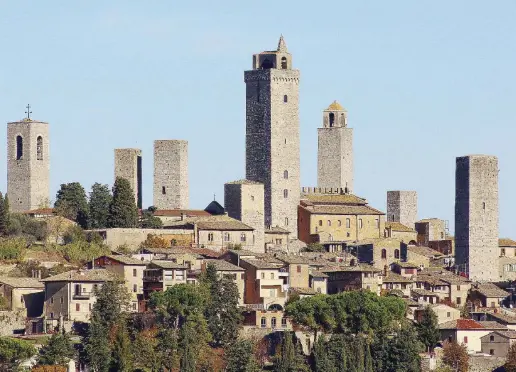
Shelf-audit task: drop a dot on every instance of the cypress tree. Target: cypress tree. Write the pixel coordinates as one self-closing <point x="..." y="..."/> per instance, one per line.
<point x="100" y="198"/>
<point x="71" y="203"/>
<point x="321" y="358"/>
<point x="427" y="329"/>
<point x="122" y="209"/>
<point x="122" y="359"/>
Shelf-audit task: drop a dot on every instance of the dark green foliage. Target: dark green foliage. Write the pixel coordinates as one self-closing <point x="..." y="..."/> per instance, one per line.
<point x="122" y="358"/>
<point x="427" y="329"/>
<point x="149" y="221"/>
<point x="321" y="358"/>
<point x="100" y="199"/>
<point x="4" y="223"/>
<point x="288" y="357"/>
<point x="97" y="347"/>
<point x="28" y="227"/>
<point x="13" y="352"/>
<point x="402" y="351"/>
<point x="123" y="211"/>
<point x="71" y="202"/>
<point x="314" y="247"/>
<point x="167" y="353"/>
<point x="12" y="248"/>
<point x="58" y="350"/>
<point x="240" y="357"/>
<point x="187" y="341"/>
<point x="74" y="234"/>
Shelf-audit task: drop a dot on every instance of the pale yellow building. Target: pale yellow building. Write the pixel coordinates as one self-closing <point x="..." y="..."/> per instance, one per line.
<point x="23" y="294"/>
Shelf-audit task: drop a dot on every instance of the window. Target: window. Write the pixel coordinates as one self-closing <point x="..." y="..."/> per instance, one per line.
<point x="51" y="300"/>
<point x="397" y="253"/>
<point x="89" y="306"/>
<point x="263" y="275"/>
<point x="272" y="292"/>
<point x="384" y="253"/>
<point x="242" y="276"/>
<point x="286" y="221"/>
<point x="285" y="98"/>
<point x="298" y="268"/>
<point x="252" y="197"/>
<point x="77" y="289"/>
<point x="339" y="223"/>
<point x="135" y="288"/>
<point x="135" y="273"/>
<point x="263" y="322"/>
<point x="348" y="223"/>
<point x="226" y="237"/>
<point x="448" y="314"/>
<point x="285" y="174"/>
<point x="442" y="235"/>
<point x="283" y="322"/>
<point x="51" y="315"/>
<point x="332" y="119"/>
<point x="285" y="193"/>
<point x="283" y="63"/>
<point x="279" y="241"/>
<point x="493" y="304"/>
<point x="392" y="218"/>
<point x="272" y="275"/>
<point x="39" y="148"/>
<point x="273" y="322"/>
<point x="163" y="190"/>
<point x="77" y="307"/>
<point x="320" y="222"/>
<point x="484" y="205"/>
<point x="491" y="338"/>
<point x="22" y="300"/>
<point x="465" y="339"/>
<point x="210" y="237"/>
<point x="458" y="288"/>
<point x="491" y="351"/>
<point x="502" y="252"/>
<point x="61" y="300"/>
<point x="242" y="237"/>
<point x="329" y="223"/>
<point x="330" y="238"/>
<point x="134" y="305"/>
<point x="19" y="147"/>
<point x="377" y="223"/>
<point x="360" y="223"/>
<point x="285" y="141"/>
<point x="458" y="301"/>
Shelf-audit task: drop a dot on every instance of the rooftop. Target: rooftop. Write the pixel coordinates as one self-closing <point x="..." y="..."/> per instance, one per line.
<point x="335" y="106"/>
<point x="490" y="290"/>
<point x="222" y="265"/>
<point x="395" y="278"/>
<point x="461" y="324"/>
<point x="317" y="198"/>
<point x="423" y="292"/>
<point x="507" y="334"/>
<point x="304" y="290"/>
<point x="396" y="226"/>
<point x="343" y="209"/>
<point x="262" y="264"/>
<point x="162" y="264"/>
<point x="244" y="182"/>
<point x="491" y="324"/>
<point x="358" y="268"/>
<point x="126" y="260"/>
<point x="181" y="212"/>
<point x="318" y="274"/>
<point x="95" y="275"/>
<point x="21" y="282"/>
<point x="506" y="242"/>
<point x="423" y="251"/>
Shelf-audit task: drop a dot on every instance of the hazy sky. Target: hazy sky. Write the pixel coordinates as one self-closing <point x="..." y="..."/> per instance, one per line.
<point x="423" y="82"/>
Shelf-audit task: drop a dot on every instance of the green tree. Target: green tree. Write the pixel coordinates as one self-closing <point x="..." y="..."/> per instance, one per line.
<point x="145" y="351"/>
<point x="322" y="361"/>
<point x="97" y="347"/>
<point x="314" y="313"/>
<point x="122" y="357"/>
<point x="13" y="352"/>
<point x="58" y="350"/>
<point x="288" y="358"/>
<point x="167" y="353"/>
<point x="187" y="344"/>
<point x="71" y="202"/>
<point x="338" y="350"/>
<point x="427" y="329"/>
<point x="100" y="199"/>
<point x="74" y="234"/>
<point x="402" y="354"/>
<point x="240" y="357"/>
<point x="149" y="221"/>
<point x="314" y="247"/>
<point x="223" y="316"/>
<point x="4" y="224"/>
<point x="456" y="356"/>
<point x="7" y="211"/>
<point x="510" y="361"/>
<point x="123" y="211"/>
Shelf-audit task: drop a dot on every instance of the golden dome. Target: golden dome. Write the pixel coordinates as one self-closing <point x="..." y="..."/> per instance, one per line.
<point x="335" y="106"/>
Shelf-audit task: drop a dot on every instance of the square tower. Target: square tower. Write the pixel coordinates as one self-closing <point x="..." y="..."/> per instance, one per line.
<point x="402" y="207"/>
<point x="171" y="174"/>
<point x="335" y="150"/>
<point x="244" y="201"/>
<point x="128" y="165"/>
<point x="28" y="165"/>
<point x="272" y="134"/>
<point x="476" y="217"/>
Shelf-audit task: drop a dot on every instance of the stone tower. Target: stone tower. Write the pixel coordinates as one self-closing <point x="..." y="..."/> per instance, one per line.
<point x="28" y="165"/>
<point x="335" y="150"/>
<point x="402" y="207"/>
<point x="244" y="201"/>
<point x="171" y="174"/>
<point x="476" y="216"/>
<point x="272" y="134"/>
<point x="128" y="165"/>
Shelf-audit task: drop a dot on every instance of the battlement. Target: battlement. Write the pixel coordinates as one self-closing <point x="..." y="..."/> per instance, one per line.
<point x="325" y="190"/>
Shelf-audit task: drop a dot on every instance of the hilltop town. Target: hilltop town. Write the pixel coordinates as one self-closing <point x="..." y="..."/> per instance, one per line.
<point x="282" y="276"/>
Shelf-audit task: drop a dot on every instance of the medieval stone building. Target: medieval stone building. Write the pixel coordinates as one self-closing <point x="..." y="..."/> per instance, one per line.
<point x="128" y="165"/>
<point x="402" y="207"/>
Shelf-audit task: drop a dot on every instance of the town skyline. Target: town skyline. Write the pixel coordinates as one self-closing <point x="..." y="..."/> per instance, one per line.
<point x="382" y="162"/>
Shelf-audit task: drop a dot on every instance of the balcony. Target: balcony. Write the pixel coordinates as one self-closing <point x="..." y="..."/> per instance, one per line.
<point x="154" y="279"/>
<point x="82" y="296"/>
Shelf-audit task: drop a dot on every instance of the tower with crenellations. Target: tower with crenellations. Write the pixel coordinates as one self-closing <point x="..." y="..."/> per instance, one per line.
<point x="28" y="164"/>
<point x="272" y="134"/>
<point x="128" y="165"/>
<point x="335" y="150"/>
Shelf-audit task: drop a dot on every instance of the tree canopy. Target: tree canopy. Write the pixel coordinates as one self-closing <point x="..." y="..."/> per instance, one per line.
<point x="58" y="350"/>
<point x="100" y="199"/>
<point x="72" y="203"/>
<point x="123" y="211"/>
<point x="13" y="352"/>
<point x="427" y="328"/>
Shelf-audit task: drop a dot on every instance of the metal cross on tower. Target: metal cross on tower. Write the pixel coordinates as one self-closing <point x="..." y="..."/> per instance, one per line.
<point x="28" y="112"/>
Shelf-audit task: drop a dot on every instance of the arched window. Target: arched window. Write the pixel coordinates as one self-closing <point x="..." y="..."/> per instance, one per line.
<point x="320" y="222"/>
<point x="266" y="64"/>
<point x="340" y="223"/>
<point x="397" y="253"/>
<point x="284" y="63"/>
<point x="263" y="322"/>
<point x="348" y="223"/>
<point x="285" y="193"/>
<point x="163" y="190"/>
<point x="285" y="98"/>
<point x="19" y="147"/>
<point x="384" y="253"/>
<point x="39" y="148"/>
<point x="392" y="218"/>
<point x="285" y="174"/>
<point x="332" y="119"/>
<point x="273" y="322"/>
<point x="329" y="223"/>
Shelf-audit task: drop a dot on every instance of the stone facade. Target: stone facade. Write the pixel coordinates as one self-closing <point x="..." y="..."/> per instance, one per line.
<point x="244" y="201"/>
<point x="272" y="134"/>
<point x="128" y="165"/>
<point x="171" y="174"/>
<point x="28" y="165"/>
<point x="335" y="150"/>
<point x="430" y="229"/>
<point x="476" y="216"/>
<point x="402" y="207"/>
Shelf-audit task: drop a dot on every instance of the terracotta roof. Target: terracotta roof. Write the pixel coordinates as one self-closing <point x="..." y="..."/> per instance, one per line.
<point x="490" y="290"/>
<point x="506" y="242"/>
<point x="179" y="212"/>
<point x="461" y="324"/>
<point x="95" y="275"/>
<point x="317" y="198"/>
<point x="163" y="264"/>
<point x="126" y="260"/>
<point x="343" y="210"/>
<point x="222" y="265"/>
<point x="318" y="274"/>
<point x="395" y="278"/>
<point x="21" y="282"/>
<point x="335" y="106"/>
<point x="304" y="290"/>
<point x="423" y="251"/>
<point x="396" y="226"/>
<point x="410" y="302"/>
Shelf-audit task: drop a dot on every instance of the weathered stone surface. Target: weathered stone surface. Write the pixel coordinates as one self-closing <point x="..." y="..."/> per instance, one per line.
<point x="476" y="216"/>
<point x="128" y="165"/>
<point x="171" y="174"/>
<point x="28" y="165"/>
<point x="402" y="207"/>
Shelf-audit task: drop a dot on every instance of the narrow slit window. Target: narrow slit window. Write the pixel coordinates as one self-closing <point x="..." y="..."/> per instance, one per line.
<point x="19" y="147"/>
<point x="39" y="148"/>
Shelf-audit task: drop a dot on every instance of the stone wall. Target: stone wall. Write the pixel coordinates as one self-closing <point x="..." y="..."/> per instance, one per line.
<point x="28" y="178"/>
<point x="133" y="237"/>
<point x="11" y="322"/>
<point x="402" y="207"/>
<point x="171" y="174"/>
<point x="128" y="165"/>
<point x="476" y="216"/>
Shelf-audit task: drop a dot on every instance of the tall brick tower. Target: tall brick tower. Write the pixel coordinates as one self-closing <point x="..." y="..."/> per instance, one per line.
<point x="28" y="164"/>
<point x="171" y="174"/>
<point x="402" y="207"/>
<point x="128" y="165"/>
<point x="243" y="200"/>
<point x="335" y="150"/>
<point x="272" y="134"/>
<point x="476" y="216"/>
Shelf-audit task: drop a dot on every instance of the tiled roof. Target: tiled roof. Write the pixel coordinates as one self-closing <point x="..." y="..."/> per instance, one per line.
<point x="506" y="318"/>
<point x="507" y="334"/>
<point x="506" y="242"/>
<point x="126" y="260"/>
<point x="222" y="265"/>
<point x="304" y="290"/>
<point x="222" y="223"/>
<point x="262" y="264"/>
<point x="441" y="276"/>
<point x="490" y="290"/>
<point x="423" y="292"/>
<point x="179" y="212"/>
<point x="293" y="260"/>
<point x="333" y="199"/>
<point x="423" y="251"/>
<point x="396" y="226"/>
<point x="21" y="282"/>
<point x="318" y="274"/>
<point x="491" y="324"/>
<point x="461" y="324"/>
<point x="360" y="268"/>
<point x="167" y="264"/>
<point x="95" y="275"/>
<point x="395" y="278"/>
<point x="343" y="210"/>
<point x="276" y="230"/>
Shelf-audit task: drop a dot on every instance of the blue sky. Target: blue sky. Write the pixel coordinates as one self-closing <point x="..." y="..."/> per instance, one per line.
<point x="423" y="82"/>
